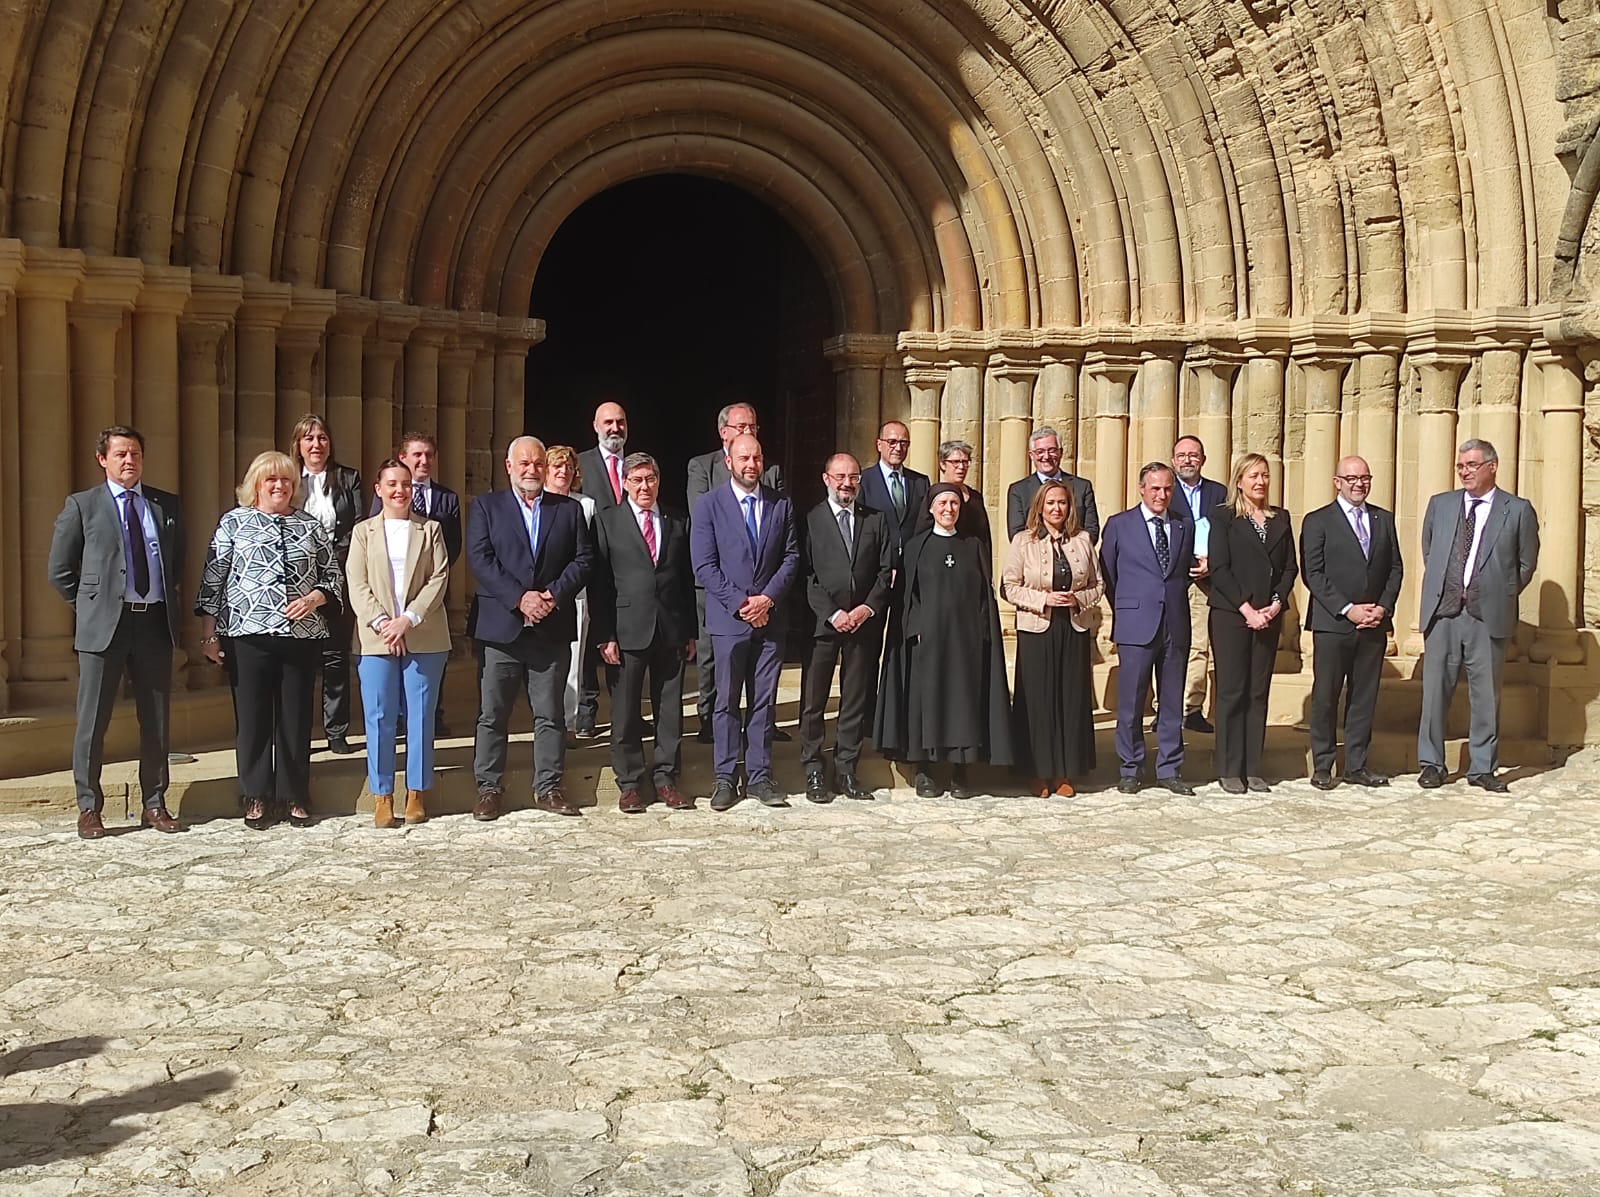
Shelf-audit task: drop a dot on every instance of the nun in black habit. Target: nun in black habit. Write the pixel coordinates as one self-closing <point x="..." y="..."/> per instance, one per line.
<point x="942" y="695"/>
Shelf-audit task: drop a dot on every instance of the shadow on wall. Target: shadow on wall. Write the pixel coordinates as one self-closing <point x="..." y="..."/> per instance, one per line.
<point x="36" y="1133"/>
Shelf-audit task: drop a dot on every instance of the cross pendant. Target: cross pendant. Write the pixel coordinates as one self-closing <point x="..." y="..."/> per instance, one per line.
<point x="949" y="560"/>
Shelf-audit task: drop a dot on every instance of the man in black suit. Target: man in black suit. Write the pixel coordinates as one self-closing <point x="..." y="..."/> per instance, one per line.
<point x="1351" y="558"/>
<point x="1044" y="450"/>
<point x="530" y="555"/>
<point x="706" y="472"/>
<point x="892" y="487"/>
<point x="116" y="556"/>
<point x="847" y="563"/>
<point x="600" y="472"/>
<point x="1192" y="499"/>
<point x="641" y="599"/>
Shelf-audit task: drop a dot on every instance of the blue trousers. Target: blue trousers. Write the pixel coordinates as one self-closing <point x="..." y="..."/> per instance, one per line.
<point x="747" y="667"/>
<point x="382" y="681"/>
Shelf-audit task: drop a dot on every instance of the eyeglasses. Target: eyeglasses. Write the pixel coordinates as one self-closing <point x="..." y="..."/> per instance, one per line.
<point x="750" y="429"/>
<point x="1355" y="479"/>
<point x="890" y="440"/>
<point x="840" y="479"/>
<point x="1043" y="451"/>
<point x="958" y="461"/>
<point x="1471" y="467"/>
<point x="1188" y="457"/>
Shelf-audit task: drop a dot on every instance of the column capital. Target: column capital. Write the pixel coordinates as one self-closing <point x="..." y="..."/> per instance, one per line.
<point x="850" y="350"/>
<point x="51" y="273"/>
<point x="1441" y="379"/>
<point x="10" y="267"/>
<point x="166" y="290"/>
<point x="514" y="336"/>
<point x="310" y="309"/>
<point x="108" y="290"/>
<point x="435" y="327"/>
<point x="1206" y="356"/>
<point x="353" y="316"/>
<point x="1112" y="367"/>
<point x="926" y="374"/>
<point x="264" y="305"/>
<point x="395" y="322"/>
<point x="1012" y="366"/>
<point x="459" y="353"/>
<point x="214" y="298"/>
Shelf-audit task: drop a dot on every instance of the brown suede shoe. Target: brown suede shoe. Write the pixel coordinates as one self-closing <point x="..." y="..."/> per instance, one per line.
<point x="488" y="808"/>
<point x="383" y="812"/>
<point x="90" y="826"/>
<point x="556" y="803"/>
<point x="631" y="802"/>
<point x="674" y="798"/>
<point x="416" y="810"/>
<point x="159" y="818"/>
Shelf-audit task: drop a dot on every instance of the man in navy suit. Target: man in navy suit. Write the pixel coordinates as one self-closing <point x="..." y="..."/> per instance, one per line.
<point x="745" y="556"/>
<point x="892" y="487"/>
<point x="1193" y="498"/>
<point x="529" y="553"/>
<point x="1146" y="554"/>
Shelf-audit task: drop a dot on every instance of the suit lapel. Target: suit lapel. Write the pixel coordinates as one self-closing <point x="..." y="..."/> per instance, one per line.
<point x="413" y="557"/>
<point x="1499" y="511"/>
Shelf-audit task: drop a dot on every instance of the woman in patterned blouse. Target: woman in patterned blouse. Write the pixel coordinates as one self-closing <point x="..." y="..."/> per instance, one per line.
<point x="270" y="584"/>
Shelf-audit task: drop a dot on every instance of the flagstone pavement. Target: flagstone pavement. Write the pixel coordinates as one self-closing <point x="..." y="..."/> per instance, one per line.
<point x="1389" y="992"/>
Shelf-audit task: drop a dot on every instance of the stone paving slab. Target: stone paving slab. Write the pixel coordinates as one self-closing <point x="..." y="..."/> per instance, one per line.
<point x="1386" y="993"/>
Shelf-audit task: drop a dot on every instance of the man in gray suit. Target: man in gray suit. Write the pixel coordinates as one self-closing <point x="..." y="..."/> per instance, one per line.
<point x="115" y="557"/>
<point x="1480" y="546"/>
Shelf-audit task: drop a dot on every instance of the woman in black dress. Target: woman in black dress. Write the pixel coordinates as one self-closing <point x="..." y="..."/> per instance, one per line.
<point x="1053" y="580"/>
<point x="943" y="691"/>
<point x="1252" y="569"/>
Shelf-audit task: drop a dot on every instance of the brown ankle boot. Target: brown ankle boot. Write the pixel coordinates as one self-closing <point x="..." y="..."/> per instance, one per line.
<point x="383" y="811"/>
<point x="416" y="812"/>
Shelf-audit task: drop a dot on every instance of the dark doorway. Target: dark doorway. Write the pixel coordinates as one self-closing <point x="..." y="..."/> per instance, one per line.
<point x="676" y="295"/>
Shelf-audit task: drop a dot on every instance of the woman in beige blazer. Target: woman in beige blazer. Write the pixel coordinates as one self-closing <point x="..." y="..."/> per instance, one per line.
<point x="397" y="572"/>
<point x="1053" y="580"/>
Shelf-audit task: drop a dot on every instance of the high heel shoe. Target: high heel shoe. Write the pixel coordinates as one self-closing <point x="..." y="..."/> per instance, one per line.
<point x="257" y="814"/>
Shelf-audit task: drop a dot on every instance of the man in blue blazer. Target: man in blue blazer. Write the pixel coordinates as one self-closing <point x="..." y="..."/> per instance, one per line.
<point x="1146" y="553"/>
<point x="745" y="555"/>
<point x="1193" y="498"/>
<point x="529" y="553"/>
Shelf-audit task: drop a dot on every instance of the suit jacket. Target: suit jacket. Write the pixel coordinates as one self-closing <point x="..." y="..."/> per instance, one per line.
<point x="1143" y="599"/>
<point x="710" y="470"/>
<point x="1243" y="569"/>
<point x="1020" y="494"/>
<point x="89" y="569"/>
<point x="1030" y="568"/>
<point x="719" y="547"/>
<point x="1337" y="573"/>
<point x="597" y="479"/>
<point x="1212" y="494"/>
<point x="841" y="581"/>
<point x="875" y="494"/>
<point x="344" y="485"/>
<point x="370" y="585"/>
<point x="632" y="599"/>
<point x="504" y="566"/>
<point x="1508" y="553"/>
<point x="446" y="510"/>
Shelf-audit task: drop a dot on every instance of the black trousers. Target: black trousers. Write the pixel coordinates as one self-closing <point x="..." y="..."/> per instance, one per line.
<point x="1338" y="659"/>
<point x="539" y="669"/>
<point x="589" y="685"/>
<point x="663" y="664"/>
<point x="335" y="664"/>
<point x="272" y="679"/>
<point x="705" y="666"/>
<point x="141" y="646"/>
<point x="1243" y="661"/>
<point x="856" y="656"/>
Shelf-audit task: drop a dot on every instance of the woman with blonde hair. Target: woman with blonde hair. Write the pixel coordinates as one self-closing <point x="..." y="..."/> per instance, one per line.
<point x="1053" y="580"/>
<point x="564" y="476"/>
<point x="398" y="569"/>
<point x="271" y="583"/>
<point x="1253" y="569"/>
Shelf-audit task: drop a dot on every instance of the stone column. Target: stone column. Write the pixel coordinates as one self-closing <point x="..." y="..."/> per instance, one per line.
<point x="961" y="416"/>
<point x="343" y="359"/>
<point x="455" y="389"/>
<point x="206" y="477"/>
<point x="1499" y="401"/>
<point x="1011" y="383"/>
<point x="1155" y="414"/>
<point x="1055" y="403"/>
<point x="51" y="277"/>
<point x="10" y="458"/>
<point x="299" y="346"/>
<point x="1263" y="425"/>
<point x="155" y="372"/>
<point x="256" y="369"/>
<point x="380" y="382"/>
<point x="926" y="383"/>
<point x="1212" y="376"/>
<point x="480" y="465"/>
<point x="1376" y="422"/>
<point x="1559" y="500"/>
<point x="1323" y="376"/>
<point x="422" y="372"/>
<point x="857" y="362"/>
<point x="513" y="338"/>
<point x="1113" y="380"/>
<point x="1434" y="472"/>
<point x="107" y="294"/>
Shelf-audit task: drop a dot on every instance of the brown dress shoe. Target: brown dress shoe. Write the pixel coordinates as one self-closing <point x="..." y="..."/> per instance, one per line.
<point x="159" y="818"/>
<point x="416" y="808"/>
<point x="674" y="798"/>
<point x="556" y="803"/>
<point x="89" y="825"/>
<point x="383" y="811"/>
<point x="631" y="803"/>
<point x="488" y="808"/>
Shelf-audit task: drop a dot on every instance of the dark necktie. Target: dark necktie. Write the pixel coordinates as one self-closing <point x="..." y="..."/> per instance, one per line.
<point x="419" y="500"/>
<point x="750" y="522"/>
<point x="138" y="551"/>
<point x="650" y="535"/>
<point x="1163" y="549"/>
<point x="844" y="530"/>
<point x="897" y="492"/>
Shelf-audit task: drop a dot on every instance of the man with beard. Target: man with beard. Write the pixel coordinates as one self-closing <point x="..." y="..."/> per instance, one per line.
<point x="601" y="472"/>
<point x="1192" y="499"/>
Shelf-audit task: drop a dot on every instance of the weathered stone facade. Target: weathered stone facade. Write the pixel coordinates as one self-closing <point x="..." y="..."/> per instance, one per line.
<point x="1303" y="229"/>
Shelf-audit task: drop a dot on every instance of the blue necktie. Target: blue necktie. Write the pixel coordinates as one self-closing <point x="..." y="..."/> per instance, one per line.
<point x="750" y="522"/>
<point x="533" y="532"/>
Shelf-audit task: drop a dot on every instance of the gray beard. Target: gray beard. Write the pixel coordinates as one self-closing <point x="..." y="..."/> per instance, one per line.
<point x="613" y="444"/>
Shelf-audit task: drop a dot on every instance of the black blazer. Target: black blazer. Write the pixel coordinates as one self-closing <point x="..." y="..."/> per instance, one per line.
<point x="836" y="581"/>
<point x="596" y="480"/>
<point x="1243" y="569"/>
<point x="504" y="567"/>
<point x="632" y="599"/>
<point x="446" y="512"/>
<point x="1020" y="495"/>
<point x="349" y="505"/>
<point x="1212" y="494"/>
<point x="1338" y="573"/>
<point x="875" y="494"/>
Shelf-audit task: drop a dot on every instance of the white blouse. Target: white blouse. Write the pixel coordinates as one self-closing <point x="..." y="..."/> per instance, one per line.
<point x="397" y="536"/>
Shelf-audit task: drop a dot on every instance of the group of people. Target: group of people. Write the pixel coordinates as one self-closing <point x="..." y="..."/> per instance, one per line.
<point x="579" y="571"/>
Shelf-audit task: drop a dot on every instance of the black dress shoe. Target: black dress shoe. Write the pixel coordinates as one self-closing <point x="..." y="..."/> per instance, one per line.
<point x="960" y="786"/>
<point x="1431" y="777"/>
<point x="817" y="788"/>
<point x="724" y="797"/>
<point x="340" y="746"/>
<point x="1154" y="719"/>
<point x="767" y="794"/>
<point x="1323" y="780"/>
<point x="1366" y="777"/>
<point x="704" y="735"/>
<point x="779" y="736"/>
<point x="259" y="813"/>
<point x="1175" y="785"/>
<point x="926" y="787"/>
<point x="851" y="788"/>
<point x="1196" y="722"/>
<point x="1488" y="781"/>
<point x="1231" y="785"/>
<point x="1257" y="785"/>
<point x="1129" y="785"/>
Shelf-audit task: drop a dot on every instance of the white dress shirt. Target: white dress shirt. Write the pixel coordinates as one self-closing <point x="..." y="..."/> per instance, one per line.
<point x="147" y="522"/>
<point x="319" y="502"/>
<point x="654" y="516"/>
<point x="740" y="495"/>
<point x="1166" y="523"/>
<point x="1485" y="505"/>
<point x="855" y="531"/>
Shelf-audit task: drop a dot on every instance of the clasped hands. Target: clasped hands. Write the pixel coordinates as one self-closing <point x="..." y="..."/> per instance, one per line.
<point x="1366" y="615"/>
<point x="1060" y="598"/>
<point x="756" y="610"/>
<point x="536" y="604"/>
<point x="1258" y="619"/>
<point x="392" y="631"/>
<point x="845" y="622"/>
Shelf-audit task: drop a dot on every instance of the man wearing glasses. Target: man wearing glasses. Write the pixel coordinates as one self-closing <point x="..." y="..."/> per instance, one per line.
<point x="1044" y="450"/>
<point x="1480" y="546"/>
<point x="1350" y="560"/>
<point x="895" y="489"/>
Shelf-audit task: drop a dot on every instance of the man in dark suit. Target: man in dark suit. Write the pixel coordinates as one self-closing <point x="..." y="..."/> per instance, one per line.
<point x="846" y="562"/>
<point x="1145" y="561"/>
<point x="530" y="555"/>
<point x="1480" y="546"/>
<point x="1350" y="560"/>
<point x="641" y="600"/>
<point x="117" y="557"/>
<point x="742" y="543"/>
<point x="892" y="487"/>
<point x="1044" y="450"/>
<point x="706" y="472"/>
<point x="600" y="473"/>
<point x="1192" y="499"/>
